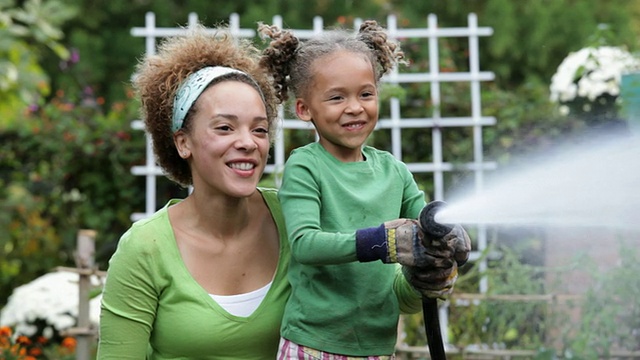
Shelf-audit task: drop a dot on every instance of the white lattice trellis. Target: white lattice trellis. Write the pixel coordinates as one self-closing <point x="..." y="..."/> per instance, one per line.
<point x="395" y="122"/>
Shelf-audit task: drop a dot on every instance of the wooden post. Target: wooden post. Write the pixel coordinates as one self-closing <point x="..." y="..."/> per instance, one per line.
<point x="84" y="261"/>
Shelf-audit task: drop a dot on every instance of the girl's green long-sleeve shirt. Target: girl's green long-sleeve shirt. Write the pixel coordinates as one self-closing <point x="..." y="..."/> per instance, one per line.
<point x="152" y="308"/>
<point x="338" y="304"/>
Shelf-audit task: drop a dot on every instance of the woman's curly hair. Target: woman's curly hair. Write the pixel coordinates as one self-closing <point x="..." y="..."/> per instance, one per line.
<point x="158" y="77"/>
<point x="289" y="60"/>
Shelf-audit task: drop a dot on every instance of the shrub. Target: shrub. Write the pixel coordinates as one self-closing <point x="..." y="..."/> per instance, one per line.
<point x="64" y="167"/>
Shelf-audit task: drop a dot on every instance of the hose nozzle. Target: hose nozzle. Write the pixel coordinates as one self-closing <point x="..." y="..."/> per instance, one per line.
<point x="429" y="224"/>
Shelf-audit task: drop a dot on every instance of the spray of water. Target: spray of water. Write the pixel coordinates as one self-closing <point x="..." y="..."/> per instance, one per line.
<point x="594" y="184"/>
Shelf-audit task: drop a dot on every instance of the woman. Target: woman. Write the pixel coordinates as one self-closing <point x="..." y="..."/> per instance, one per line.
<point x="205" y="276"/>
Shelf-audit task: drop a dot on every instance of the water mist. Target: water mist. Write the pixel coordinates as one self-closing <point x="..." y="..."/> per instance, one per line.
<point x="590" y="184"/>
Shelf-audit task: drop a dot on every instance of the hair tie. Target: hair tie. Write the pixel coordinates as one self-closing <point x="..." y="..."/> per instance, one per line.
<point x="192" y="87"/>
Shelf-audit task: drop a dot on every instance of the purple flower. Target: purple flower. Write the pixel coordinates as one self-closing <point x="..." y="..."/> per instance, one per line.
<point x="75" y="56"/>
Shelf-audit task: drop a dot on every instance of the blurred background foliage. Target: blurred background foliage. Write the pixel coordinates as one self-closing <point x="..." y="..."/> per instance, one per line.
<point x="66" y="108"/>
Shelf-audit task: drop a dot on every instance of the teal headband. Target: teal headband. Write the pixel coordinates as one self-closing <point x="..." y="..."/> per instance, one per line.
<point x="193" y="86"/>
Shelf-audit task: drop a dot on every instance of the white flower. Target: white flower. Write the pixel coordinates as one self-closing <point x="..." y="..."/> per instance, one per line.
<point x="53" y="298"/>
<point x="590" y="73"/>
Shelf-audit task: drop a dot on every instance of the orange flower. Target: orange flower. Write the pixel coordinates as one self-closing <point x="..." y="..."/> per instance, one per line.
<point x="42" y="340"/>
<point x="67" y="136"/>
<point x="66" y="106"/>
<point x="117" y="106"/>
<point x="35" y="352"/>
<point x="5" y="331"/>
<point x="23" y="340"/>
<point x="14" y="349"/>
<point x="69" y="343"/>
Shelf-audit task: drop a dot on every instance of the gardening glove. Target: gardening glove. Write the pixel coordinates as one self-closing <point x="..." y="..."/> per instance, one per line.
<point x="448" y="252"/>
<point x="455" y="245"/>
<point x="432" y="282"/>
<point x="396" y="241"/>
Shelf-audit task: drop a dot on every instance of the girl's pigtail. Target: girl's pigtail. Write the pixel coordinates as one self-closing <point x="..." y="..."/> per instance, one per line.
<point x="387" y="52"/>
<point x="278" y="56"/>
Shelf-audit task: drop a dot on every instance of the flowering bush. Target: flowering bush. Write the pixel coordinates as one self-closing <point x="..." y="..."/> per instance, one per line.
<point x="13" y="347"/>
<point x="589" y="80"/>
<point x="66" y="165"/>
<point x="47" y="306"/>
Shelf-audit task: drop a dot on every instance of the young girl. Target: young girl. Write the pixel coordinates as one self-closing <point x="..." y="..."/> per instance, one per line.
<point x="335" y="195"/>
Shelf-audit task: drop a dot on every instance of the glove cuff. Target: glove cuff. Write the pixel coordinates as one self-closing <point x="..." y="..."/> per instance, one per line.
<point x="371" y="244"/>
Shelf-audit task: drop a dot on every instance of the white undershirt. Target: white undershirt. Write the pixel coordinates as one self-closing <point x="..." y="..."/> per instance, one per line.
<point x="242" y="304"/>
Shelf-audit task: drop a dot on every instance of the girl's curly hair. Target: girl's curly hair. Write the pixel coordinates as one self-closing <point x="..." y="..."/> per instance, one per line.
<point x="158" y="77"/>
<point x="289" y="60"/>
